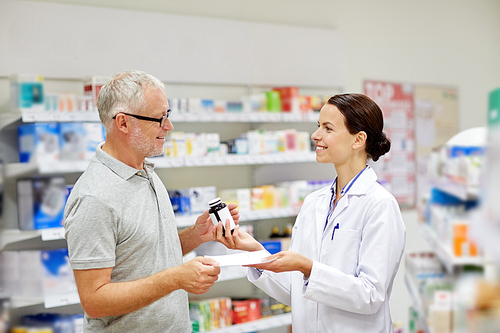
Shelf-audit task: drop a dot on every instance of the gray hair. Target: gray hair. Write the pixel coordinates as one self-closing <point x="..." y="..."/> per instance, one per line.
<point x="124" y="92"/>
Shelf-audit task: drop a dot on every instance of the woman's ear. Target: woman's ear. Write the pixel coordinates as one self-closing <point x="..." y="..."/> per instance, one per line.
<point x="359" y="140"/>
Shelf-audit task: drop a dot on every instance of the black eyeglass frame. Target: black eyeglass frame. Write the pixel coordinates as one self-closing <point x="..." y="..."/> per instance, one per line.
<point x="160" y="120"/>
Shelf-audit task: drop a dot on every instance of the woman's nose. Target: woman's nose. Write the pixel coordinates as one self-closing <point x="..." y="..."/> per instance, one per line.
<point x="315" y="135"/>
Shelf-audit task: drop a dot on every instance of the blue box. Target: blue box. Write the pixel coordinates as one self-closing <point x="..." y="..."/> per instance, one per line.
<point x="272" y="247"/>
<point x="41" y="202"/>
<point x="72" y="143"/>
<point x="181" y="203"/>
<point x="38" y="142"/>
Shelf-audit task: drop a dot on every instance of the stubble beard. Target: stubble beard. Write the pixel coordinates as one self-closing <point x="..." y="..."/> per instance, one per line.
<point x="140" y="143"/>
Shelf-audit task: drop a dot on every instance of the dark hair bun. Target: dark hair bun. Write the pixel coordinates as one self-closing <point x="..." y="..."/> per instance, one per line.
<point x="379" y="147"/>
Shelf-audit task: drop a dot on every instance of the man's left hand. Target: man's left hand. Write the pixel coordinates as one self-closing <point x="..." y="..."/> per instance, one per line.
<point x="204" y="226"/>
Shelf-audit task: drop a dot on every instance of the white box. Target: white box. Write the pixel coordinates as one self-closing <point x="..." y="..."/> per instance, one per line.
<point x="200" y="196"/>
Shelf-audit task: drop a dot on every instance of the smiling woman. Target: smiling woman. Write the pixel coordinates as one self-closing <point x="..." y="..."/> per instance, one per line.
<point x="349" y="237"/>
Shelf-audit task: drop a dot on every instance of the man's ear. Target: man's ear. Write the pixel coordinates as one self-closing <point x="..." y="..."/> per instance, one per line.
<point x="121" y="123"/>
<point x="359" y="140"/>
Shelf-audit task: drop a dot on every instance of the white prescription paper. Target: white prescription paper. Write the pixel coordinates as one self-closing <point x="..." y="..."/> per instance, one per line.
<point x="238" y="259"/>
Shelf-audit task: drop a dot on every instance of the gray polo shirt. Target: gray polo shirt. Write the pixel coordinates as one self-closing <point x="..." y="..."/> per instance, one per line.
<point x="120" y="217"/>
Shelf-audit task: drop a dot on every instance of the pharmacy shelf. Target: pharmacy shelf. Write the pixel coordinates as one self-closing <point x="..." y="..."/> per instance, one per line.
<point x="456" y="189"/>
<point x="246" y="117"/>
<point x="253" y="215"/>
<point x="227" y="273"/>
<point x="233" y="159"/>
<point x="86" y="116"/>
<point x="417" y="300"/>
<point x="258" y="325"/>
<point x="13" y="239"/>
<point x="444" y="252"/>
<point x="18" y="170"/>
<point x="48" y="302"/>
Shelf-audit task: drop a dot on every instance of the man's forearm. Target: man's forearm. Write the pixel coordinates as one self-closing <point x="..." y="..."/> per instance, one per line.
<point x="113" y="299"/>
<point x="190" y="240"/>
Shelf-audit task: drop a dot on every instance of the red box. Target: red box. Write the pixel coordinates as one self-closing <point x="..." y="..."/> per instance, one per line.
<point x="289" y="98"/>
<point x="305" y="104"/>
<point x="246" y="310"/>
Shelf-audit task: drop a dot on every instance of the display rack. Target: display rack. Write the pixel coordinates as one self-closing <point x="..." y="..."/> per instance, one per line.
<point x="244" y="117"/>
<point x="444" y="252"/>
<point x="227" y="274"/>
<point x="456" y="189"/>
<point x="16" y="170"/>
<point x="10" y="239"/>
<point x="17" y="240"/>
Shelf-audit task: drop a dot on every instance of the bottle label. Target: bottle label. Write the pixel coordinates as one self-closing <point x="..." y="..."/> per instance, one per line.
<point x="221" y="216"/>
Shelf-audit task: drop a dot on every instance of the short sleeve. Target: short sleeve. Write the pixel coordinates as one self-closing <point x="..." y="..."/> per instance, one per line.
<point x="91" y="232"/>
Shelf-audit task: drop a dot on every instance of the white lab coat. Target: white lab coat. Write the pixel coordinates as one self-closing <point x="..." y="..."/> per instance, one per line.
<point x="352" y="275"/>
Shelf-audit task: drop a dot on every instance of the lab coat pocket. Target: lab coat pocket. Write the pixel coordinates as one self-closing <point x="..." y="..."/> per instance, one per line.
<point x="342" y="252"/>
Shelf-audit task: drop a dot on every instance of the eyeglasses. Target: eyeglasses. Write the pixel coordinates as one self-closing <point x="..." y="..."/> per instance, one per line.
<point x="161" y="120"/>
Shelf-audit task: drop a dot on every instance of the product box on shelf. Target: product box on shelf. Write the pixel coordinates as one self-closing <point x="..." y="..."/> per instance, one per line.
<point x="40" y="202"/>
<point x="181" y="203"/>
<point x="273" y="101"/>
<point x="199" y="198"/>
<point x="210" y="314"/>
<point x="67" y="102"/>
<point x="289" y="99"/>
<point x="50" y="322"/>
<point x="246" y="310"/>
<point x="241" y="197"/>
<point x="27" y="93"/>
<point x="57" y="275"/>
<point x="305" y="104"/>
<point x="255" y="102"/>
<point x="38" y="142"/>
<point x="199" y="314"/>
<point x="72" y="139"/>
<point x="92" y="85"/>
<point x="94" y="135"/>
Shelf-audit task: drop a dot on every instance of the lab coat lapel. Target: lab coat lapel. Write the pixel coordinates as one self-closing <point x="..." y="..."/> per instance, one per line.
<point x="321" y="211"/>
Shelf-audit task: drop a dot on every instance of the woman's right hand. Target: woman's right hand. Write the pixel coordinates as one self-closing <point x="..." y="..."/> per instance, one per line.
<point x="237" y="240"/>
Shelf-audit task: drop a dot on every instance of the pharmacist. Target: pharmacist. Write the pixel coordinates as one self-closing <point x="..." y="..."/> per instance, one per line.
<point x="122" y="237"/>
<point x="348" y="239"/>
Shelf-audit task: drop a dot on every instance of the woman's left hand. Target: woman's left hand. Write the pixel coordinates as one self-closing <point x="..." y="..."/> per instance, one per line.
<point x="286" y="261"/>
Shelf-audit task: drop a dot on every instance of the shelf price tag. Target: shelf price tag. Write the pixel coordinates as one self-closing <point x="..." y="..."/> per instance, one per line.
<point x="61" y="300"/>
<point x="52" y="234"/>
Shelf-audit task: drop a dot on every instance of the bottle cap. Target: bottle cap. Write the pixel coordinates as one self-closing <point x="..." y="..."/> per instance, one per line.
<point x="214" y="202"/>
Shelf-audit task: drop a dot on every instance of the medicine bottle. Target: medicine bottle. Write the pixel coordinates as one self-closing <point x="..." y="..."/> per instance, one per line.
<point x="219" y="212"/>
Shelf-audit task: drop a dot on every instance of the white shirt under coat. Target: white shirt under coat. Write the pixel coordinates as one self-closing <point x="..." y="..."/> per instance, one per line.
<point x="352" y="275"/>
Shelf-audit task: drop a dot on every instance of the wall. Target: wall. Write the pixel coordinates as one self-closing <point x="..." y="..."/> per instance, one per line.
<point x="446" y="42"/>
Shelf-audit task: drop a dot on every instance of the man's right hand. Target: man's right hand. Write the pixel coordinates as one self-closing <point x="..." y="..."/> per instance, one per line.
<point x="198" y="275"/>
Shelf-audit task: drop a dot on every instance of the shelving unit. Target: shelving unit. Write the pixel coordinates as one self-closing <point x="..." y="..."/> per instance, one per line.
<point x="459" y="190"/>
<point x="456" y="212"/>
<point x="17" y="240"/>
<point x="245" y="117"/>
<point x="444" y="252"/>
